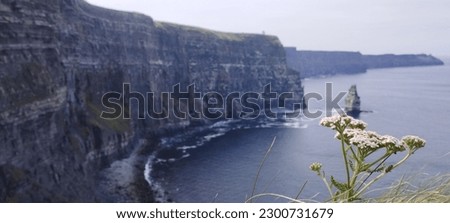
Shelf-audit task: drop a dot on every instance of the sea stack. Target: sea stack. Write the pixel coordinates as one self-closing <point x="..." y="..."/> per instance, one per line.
<point x="352" y="102"/>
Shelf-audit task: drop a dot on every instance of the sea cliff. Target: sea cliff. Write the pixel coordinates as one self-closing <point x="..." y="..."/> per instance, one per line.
<point x="317" y="63"/>
<point x="57" y="59"/>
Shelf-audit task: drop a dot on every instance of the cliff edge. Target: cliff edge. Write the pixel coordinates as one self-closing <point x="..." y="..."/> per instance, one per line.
<point x="57" y="59"/>
<point x="316" y="63"/>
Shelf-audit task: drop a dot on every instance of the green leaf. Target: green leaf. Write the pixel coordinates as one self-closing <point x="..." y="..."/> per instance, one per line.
<point x="389" y="168"/>
<point x="352" y="166"/>
<point x="340" y="186"/>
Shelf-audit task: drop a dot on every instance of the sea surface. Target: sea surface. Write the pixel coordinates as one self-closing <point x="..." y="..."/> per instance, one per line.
<point x="221" y="165"/>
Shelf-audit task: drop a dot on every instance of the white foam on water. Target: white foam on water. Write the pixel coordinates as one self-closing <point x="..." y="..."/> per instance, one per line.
<point x="186" y="147"/>
<point x="159" y="193"/>
<point x="212" y="136"/>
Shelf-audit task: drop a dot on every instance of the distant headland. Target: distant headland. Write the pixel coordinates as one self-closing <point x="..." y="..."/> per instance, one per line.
<point x="318" y="63"/>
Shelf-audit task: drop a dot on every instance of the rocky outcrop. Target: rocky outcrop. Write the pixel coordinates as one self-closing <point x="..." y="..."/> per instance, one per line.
<point x="57" y="59"/>
<point x="352" y="102"/>
<point x="318" y="63"/>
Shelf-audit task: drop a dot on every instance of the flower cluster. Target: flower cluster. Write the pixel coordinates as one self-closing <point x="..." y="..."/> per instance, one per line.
<point x="342" y="121"/>
<point x="332" y="122"/>
<point x="392" y="144"/>
<point x="354" y="133"/>
<point x="316" y="167"/>
<point x="413" y="142"/>
<point x="361" y="161"/>
<point x="366" y="140"/>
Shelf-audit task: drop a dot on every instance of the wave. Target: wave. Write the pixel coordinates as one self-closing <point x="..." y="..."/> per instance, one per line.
<point x="158" y="191"/>
<point x="176" y="148"/>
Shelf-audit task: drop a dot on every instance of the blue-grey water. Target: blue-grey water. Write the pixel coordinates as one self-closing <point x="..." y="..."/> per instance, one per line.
<point x="404" y="101"/>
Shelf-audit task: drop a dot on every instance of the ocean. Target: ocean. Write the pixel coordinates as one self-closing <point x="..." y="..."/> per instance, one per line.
<point x="221" y="165"/>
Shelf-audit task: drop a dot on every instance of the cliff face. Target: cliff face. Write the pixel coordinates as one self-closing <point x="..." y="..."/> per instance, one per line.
<point x="406" y="60"/>
<point x="316" y="63"/>
<point x="58" y="58"/>
<point x="313" y="63"/>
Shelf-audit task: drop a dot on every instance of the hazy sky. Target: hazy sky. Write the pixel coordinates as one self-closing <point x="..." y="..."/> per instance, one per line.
<point x="368" y="26"/>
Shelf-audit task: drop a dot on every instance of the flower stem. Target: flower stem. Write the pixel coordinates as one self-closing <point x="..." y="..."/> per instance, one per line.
<point x="381" y="175"/>
<point x="322" y="175"/>
<point x="380" y="159"/>
<point x="344" y="153"/>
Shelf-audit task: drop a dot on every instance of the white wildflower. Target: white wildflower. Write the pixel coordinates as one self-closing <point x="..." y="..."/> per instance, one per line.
<point x="414" y="142"/>
<point x="357" y="124"/>
<point x="363" y="139"/>
<point x="392" y="143"/>
<point x="387" y="139"/>
<point x="316" y="167"/>
<point x="342" y="121"/>
<point x="331" y="122"/>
